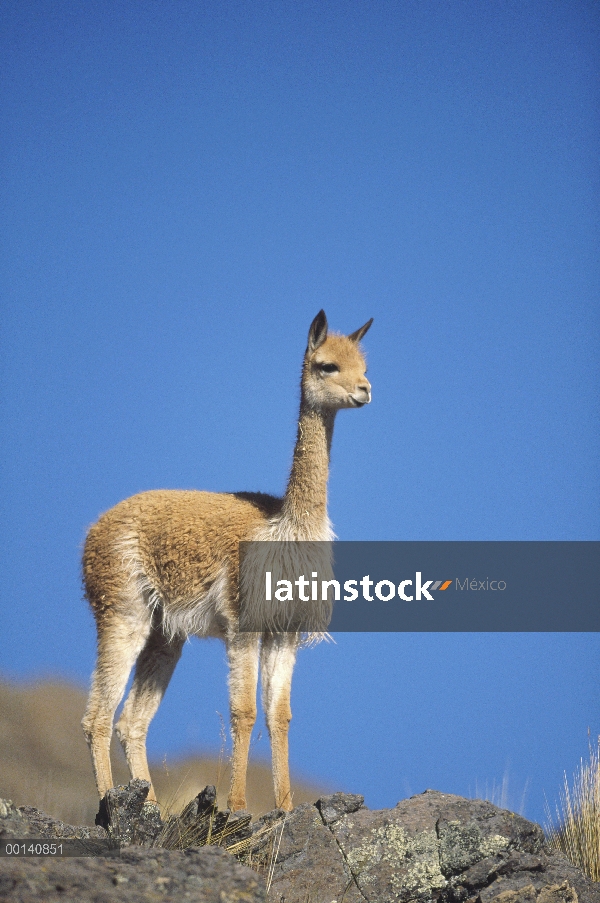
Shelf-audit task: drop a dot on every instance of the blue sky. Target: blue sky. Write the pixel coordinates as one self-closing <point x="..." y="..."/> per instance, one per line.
<point x="184" y="186"/>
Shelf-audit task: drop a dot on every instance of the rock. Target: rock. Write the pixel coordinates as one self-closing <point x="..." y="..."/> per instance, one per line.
<point x="299" y="857"/>
<point x="558" y="893"/>
<point x="432" y="847"/>
<point x="206" y="875"/>
<point x="27" y="821"/>
<point x="333" y="807"/>
<point x="526" y="894"/>
<point x="11" y="821"/>
<point x="126" y="815"/>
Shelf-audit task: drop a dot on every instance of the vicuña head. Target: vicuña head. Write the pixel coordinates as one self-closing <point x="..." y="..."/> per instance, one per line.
<point x="163" y="565"/>
<point x="333" y="375"/>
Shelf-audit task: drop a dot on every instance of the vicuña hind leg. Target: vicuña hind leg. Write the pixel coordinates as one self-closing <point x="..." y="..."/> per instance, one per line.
<point x="153" y="672"/>
<point x="278" y="656"/>
<point x="119" y="645"/>
<point x="242" y="652"/>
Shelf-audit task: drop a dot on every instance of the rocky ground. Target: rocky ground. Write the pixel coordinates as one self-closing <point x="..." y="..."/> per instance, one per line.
<point x="431" y="848"/>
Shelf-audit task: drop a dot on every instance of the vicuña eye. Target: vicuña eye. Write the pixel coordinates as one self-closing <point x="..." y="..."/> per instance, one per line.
<point x="329" y="368"/>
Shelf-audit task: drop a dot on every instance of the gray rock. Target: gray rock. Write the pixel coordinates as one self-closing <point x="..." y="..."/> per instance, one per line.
<point x="12" y="823"/>
<point x="206" y="875"/>
<point x="26" y="821"/>
<point x="126" y="815"/>
<point x="301" y="860"/>
<point x="432" y="847"/>
<point x="333" y="807"/>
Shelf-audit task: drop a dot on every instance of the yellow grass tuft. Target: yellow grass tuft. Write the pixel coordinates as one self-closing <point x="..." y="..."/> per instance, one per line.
<point x="576" y="831"/>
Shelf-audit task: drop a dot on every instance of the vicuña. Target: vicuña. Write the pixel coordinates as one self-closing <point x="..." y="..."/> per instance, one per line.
<point x="163" y="565"/>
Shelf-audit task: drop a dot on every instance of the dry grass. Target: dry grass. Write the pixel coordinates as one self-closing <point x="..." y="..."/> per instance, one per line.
<point x="45" y="762"/>
<point x="260" y="851"/>
<point x="502" y="794"/>
<point x="576" y="831"/>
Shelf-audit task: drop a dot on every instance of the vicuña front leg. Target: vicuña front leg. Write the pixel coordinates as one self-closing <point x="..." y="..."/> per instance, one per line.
<point x="242" y="653"/>
<point x="278" y="656"/>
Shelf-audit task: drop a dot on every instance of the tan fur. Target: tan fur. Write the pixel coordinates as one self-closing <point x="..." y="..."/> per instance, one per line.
<point x="163" y="565"/>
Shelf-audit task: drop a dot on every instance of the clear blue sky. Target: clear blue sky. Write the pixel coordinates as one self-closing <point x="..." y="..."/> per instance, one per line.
<point x="184" y="185"/>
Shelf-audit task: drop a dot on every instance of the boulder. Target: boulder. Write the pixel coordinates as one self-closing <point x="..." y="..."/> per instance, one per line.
<point x="138" y="875"/>
<point x="431" y="847"/>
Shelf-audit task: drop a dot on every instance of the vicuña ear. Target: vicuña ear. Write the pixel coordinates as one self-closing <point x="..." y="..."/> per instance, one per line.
<point x="317" y="332"/>
<point x="357" y="336"/>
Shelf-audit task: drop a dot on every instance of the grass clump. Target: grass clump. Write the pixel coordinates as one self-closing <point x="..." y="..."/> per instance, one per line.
<point x="576" y="830"/>
<point x="201" y="823"/>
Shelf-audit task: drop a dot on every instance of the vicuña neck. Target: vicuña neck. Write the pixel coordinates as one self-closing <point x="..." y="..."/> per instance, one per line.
<point x="305" y="501"/>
